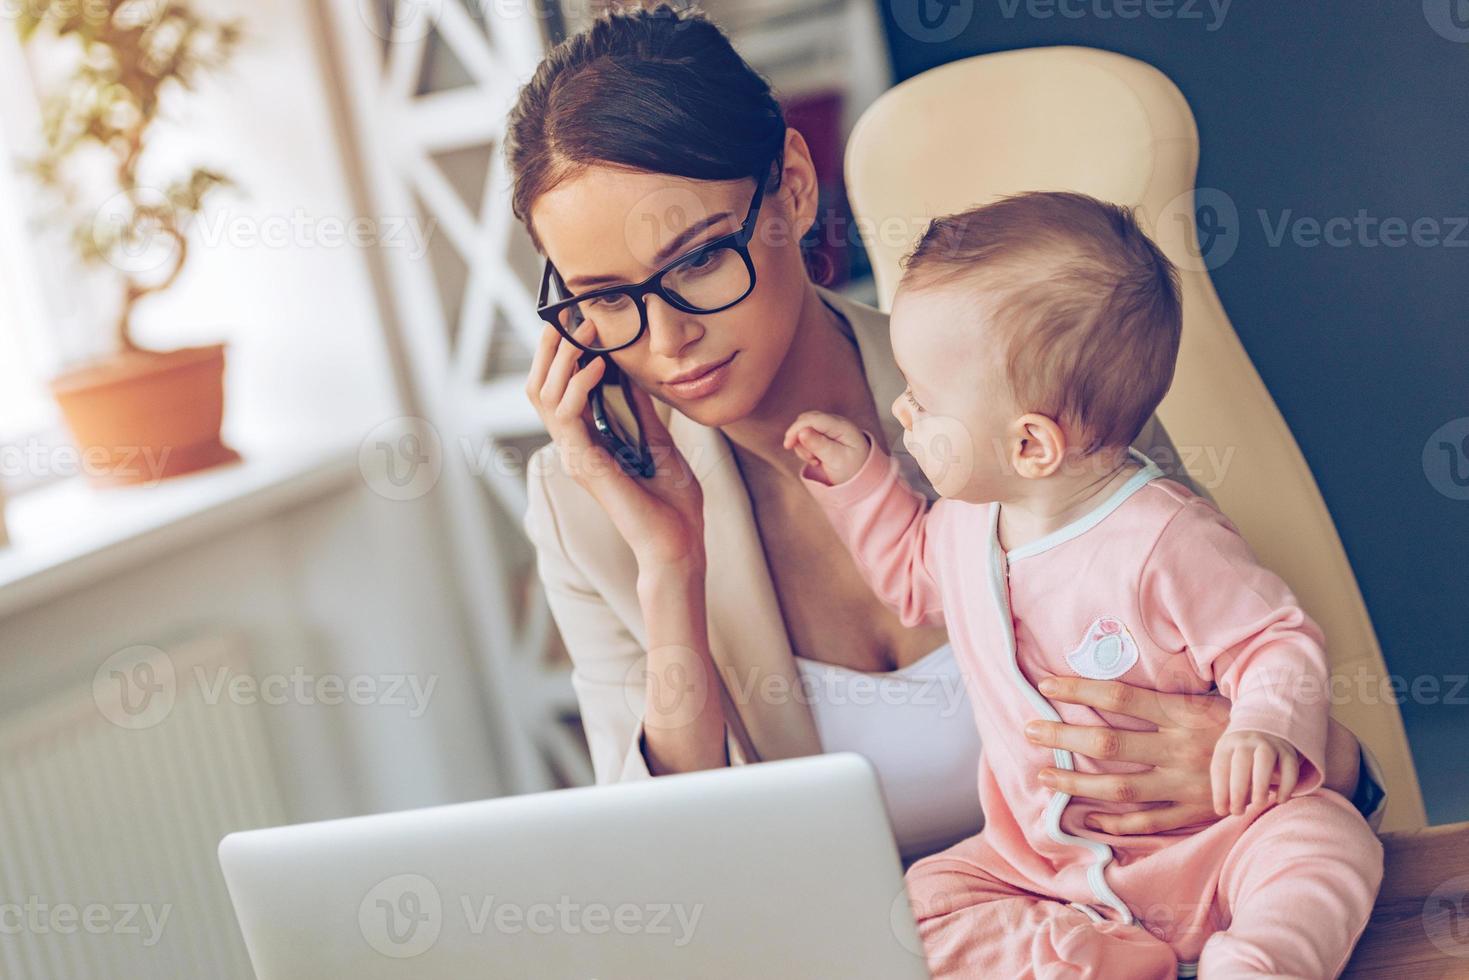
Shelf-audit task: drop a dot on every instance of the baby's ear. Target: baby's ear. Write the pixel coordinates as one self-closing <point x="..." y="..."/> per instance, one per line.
<point x="1040" y="446"/>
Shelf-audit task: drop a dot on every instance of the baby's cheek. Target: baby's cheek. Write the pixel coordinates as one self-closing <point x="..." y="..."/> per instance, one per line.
<point x="944" y="447"/>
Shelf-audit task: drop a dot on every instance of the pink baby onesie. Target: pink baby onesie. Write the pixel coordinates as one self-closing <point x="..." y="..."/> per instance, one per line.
<point x="1154" y="587"/>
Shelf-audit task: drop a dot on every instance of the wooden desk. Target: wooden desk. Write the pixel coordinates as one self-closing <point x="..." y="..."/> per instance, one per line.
<point x="1411" y="937"/>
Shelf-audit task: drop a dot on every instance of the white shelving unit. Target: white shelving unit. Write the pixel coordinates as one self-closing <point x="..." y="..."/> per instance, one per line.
<point x="427" y="88"/>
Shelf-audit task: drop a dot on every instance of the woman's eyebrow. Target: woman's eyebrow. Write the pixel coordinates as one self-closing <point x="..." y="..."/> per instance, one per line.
<point x="674" y="246"/>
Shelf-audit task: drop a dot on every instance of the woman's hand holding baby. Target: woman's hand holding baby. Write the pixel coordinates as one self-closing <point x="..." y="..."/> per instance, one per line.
<point x="833" y="448"/>
<point x="1244" y="766"/>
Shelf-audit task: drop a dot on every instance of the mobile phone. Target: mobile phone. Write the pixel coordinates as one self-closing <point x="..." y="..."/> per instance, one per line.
<point x="632" y="455"/>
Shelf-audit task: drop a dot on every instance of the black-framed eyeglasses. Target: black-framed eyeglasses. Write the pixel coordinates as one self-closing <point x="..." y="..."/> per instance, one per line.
<point x="708" y="278"/>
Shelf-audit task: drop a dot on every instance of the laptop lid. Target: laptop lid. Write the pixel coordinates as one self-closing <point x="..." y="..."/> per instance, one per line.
<point x="783" y="869"/>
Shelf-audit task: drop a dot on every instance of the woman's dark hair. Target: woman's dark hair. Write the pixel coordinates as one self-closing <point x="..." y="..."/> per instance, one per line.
<point x="660" y="91"/>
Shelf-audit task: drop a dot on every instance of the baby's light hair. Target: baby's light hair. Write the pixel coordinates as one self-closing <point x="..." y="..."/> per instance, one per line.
<point x="1090" y="303"/>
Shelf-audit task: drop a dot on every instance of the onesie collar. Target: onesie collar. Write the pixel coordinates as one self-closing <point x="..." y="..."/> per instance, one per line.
<point x="1092" y="518"/>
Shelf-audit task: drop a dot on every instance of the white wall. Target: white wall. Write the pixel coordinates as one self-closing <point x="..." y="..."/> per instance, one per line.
<point x="347" y="585"/>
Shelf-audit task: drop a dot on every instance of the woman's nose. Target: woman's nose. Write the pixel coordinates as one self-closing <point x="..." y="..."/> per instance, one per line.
<point x="670" y="330"/>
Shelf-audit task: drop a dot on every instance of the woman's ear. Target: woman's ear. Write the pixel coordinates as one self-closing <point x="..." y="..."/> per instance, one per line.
<point x="1039" y="448"/>
<point x="798" y="185"/>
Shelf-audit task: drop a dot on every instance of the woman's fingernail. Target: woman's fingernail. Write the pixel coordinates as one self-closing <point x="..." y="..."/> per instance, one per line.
<point x="1047" y="779"/>
<point x="1048" y="686"/>
<point x="1032" y="729"/>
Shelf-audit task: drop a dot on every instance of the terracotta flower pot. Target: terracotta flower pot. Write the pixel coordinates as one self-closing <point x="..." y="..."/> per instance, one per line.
<point x="143" y="416"/>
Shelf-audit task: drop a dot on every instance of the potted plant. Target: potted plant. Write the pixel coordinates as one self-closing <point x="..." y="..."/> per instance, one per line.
<point x="136" y="414"/>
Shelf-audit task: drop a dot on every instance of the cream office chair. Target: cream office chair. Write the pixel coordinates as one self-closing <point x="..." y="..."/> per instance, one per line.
<point x="1091" y="121"/>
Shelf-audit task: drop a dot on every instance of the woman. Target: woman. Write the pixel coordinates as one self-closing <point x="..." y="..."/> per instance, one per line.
<point x="711" y="615"/>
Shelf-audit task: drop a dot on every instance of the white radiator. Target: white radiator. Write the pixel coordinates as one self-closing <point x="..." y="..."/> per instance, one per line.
<point x="113" y="798"/>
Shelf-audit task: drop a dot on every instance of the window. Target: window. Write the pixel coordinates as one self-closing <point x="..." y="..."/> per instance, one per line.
<point x="27" y="413"/>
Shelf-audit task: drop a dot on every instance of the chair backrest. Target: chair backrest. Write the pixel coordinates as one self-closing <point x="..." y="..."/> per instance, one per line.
<point x="1078" y="119"/>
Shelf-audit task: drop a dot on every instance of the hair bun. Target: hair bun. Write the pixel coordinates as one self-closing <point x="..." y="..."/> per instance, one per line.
<point x="657" y="89"/>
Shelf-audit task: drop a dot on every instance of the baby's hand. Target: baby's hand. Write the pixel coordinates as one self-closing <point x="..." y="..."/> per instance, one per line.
<point x="1244" y="763"/>
<point x="833" y="448"/>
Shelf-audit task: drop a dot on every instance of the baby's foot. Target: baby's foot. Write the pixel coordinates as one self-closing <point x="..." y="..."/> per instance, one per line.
<point x="1074" y="947"/>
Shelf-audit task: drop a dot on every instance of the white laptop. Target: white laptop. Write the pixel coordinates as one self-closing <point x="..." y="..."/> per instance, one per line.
<point x="782" y="869"/>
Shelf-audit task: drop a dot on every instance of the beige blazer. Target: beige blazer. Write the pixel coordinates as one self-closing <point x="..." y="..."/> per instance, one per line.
<point x="590" y="577"/>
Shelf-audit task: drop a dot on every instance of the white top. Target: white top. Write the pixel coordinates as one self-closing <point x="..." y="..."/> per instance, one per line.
<point x="916" y="726"/>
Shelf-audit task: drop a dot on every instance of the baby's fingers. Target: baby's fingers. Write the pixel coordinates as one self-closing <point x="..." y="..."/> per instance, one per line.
<point x="834" y="427"/>
<point x="804" y="421"/>
<point x="816" y="442"/>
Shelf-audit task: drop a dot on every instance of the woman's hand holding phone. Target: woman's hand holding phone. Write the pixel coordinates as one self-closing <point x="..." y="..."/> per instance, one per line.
<point x="661" y="518"/>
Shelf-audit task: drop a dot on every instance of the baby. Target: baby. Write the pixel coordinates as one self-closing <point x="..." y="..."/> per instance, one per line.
<point x="1037" y="335"/>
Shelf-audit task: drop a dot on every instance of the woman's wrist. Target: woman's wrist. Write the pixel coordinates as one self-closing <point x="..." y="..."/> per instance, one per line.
<point x="662" y="581"/>
<point x="683" y="722"/>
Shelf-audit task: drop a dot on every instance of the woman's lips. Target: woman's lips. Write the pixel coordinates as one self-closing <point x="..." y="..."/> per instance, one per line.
<point x="705" y="384"/>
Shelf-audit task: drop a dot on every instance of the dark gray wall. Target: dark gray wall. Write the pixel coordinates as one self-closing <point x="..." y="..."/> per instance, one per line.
<point x="1320" y="111"/>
